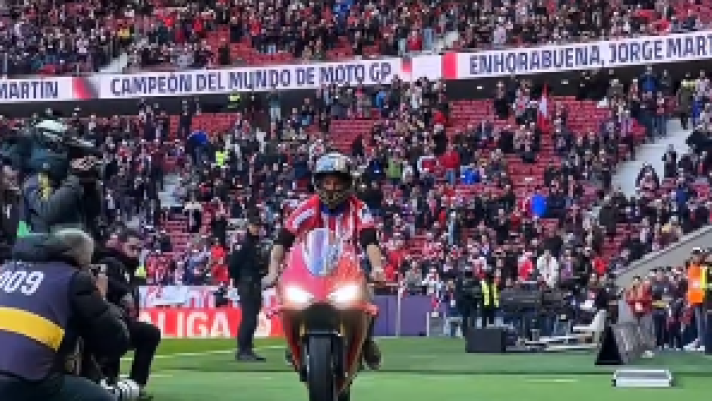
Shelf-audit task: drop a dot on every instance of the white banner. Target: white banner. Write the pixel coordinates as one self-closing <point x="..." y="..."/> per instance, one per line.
<point x="643" y="50"/>
<point x="41" y="89"/>
<point x="247" y="79"/>
<point x="581" y="56"/>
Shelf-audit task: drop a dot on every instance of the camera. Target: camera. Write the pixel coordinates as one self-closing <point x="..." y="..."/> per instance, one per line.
<point x="48" y="147"/>
<point x="54" y="146"/>
<point x="97" y="269"/>
<point x="263" y="254"/>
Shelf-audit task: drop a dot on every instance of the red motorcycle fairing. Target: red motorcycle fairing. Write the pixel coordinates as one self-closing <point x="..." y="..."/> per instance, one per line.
<point x="323" y="290"/>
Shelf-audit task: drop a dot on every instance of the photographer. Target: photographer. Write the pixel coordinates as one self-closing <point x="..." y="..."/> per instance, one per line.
<point x="121" y="260"/>
<point x="48" y="302"/>
<point x="63" y="190"/>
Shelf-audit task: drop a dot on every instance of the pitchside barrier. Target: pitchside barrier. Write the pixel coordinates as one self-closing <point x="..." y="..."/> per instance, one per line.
<point x="190" y="312"/>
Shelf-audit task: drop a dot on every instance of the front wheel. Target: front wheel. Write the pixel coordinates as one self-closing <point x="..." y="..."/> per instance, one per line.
<point x="320" y="364"/>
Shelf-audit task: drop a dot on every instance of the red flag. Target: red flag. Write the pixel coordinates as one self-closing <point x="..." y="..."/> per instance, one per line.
<point x="543" y="114"/>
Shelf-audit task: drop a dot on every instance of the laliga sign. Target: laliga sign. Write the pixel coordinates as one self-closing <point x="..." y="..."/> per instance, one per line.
<point x="206" y="322"/>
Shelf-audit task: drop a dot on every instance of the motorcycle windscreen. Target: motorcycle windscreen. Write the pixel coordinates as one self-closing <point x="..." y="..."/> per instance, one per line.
<point x="321" y="250"/>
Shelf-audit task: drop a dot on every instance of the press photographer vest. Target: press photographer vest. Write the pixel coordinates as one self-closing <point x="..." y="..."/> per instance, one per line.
<point x="34" y="314"/>
<point x="489" y="297"/>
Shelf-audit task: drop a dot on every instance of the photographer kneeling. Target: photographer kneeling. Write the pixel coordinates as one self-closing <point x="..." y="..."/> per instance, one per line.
<point x="64" y="189"/>
<point x="120" y="257"/>
<point x="48" y="302"/>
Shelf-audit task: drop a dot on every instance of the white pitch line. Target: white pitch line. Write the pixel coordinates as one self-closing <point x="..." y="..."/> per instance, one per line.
<point x="203" y="353"/>
<point x="551" y="380"/>
<point x="153" y="376"/>
<point x="223" y="351"/>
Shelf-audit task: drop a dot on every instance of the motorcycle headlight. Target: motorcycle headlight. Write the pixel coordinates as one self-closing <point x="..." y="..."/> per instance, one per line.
<point x="297" y="295"/>
<point x="346" y="294"/>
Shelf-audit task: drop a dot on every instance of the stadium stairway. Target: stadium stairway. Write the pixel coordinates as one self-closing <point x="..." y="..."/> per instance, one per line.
<point x="168" y="201"/>
<point x="116" y="66"/>
<point x="674" y="256"/>
<point x="652" y="153"/>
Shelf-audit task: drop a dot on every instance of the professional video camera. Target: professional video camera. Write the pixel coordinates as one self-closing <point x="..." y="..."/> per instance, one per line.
<point x="263" y="254"/>
<point x="48" y="146"/>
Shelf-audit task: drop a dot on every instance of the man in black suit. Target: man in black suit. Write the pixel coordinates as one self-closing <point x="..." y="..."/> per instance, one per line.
<point x="246" y="271"/>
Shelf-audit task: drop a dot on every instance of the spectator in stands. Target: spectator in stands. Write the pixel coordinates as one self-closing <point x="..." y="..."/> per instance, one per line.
<point x="548" y="268"/>
<point x="640" y="300"/>
<point x="685" y="96"/>
<point x="194" y="211"/>
<point x="662" y="296"/>
<point x="676" y="311"/>
<point x="539" y="204"/>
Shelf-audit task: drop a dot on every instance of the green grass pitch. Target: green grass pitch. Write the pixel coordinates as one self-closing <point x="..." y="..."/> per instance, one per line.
<point x="415" y="369"/>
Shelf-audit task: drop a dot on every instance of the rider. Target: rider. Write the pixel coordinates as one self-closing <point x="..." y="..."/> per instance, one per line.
<point x="337" y="208"/>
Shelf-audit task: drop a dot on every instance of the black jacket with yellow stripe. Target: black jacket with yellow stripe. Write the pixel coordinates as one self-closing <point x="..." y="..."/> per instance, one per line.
<point x="46" y="306"/>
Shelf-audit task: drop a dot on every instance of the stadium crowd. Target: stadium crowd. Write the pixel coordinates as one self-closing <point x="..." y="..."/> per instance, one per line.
<point x="223" y="33"/>
<point x="66" y="38"/>
<point x="62" y="37"/>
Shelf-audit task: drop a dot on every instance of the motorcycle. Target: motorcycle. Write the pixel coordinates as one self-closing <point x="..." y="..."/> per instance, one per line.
<point x="323" y="304"/>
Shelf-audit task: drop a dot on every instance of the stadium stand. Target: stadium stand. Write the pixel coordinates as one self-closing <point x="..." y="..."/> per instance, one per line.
<point x="74" y="38"/>
<point x="229" y="33"/>
<point x="67" y="38"/>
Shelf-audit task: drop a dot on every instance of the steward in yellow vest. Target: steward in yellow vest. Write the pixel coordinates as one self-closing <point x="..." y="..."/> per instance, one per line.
<point x="233" y="101"/>
<point x="220" y="158"/>
<point x="490" y="299"/>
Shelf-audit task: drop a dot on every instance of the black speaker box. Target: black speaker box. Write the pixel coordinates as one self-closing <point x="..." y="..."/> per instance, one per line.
<point x="486" y="341"/>
<point x="621" y="344"/>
